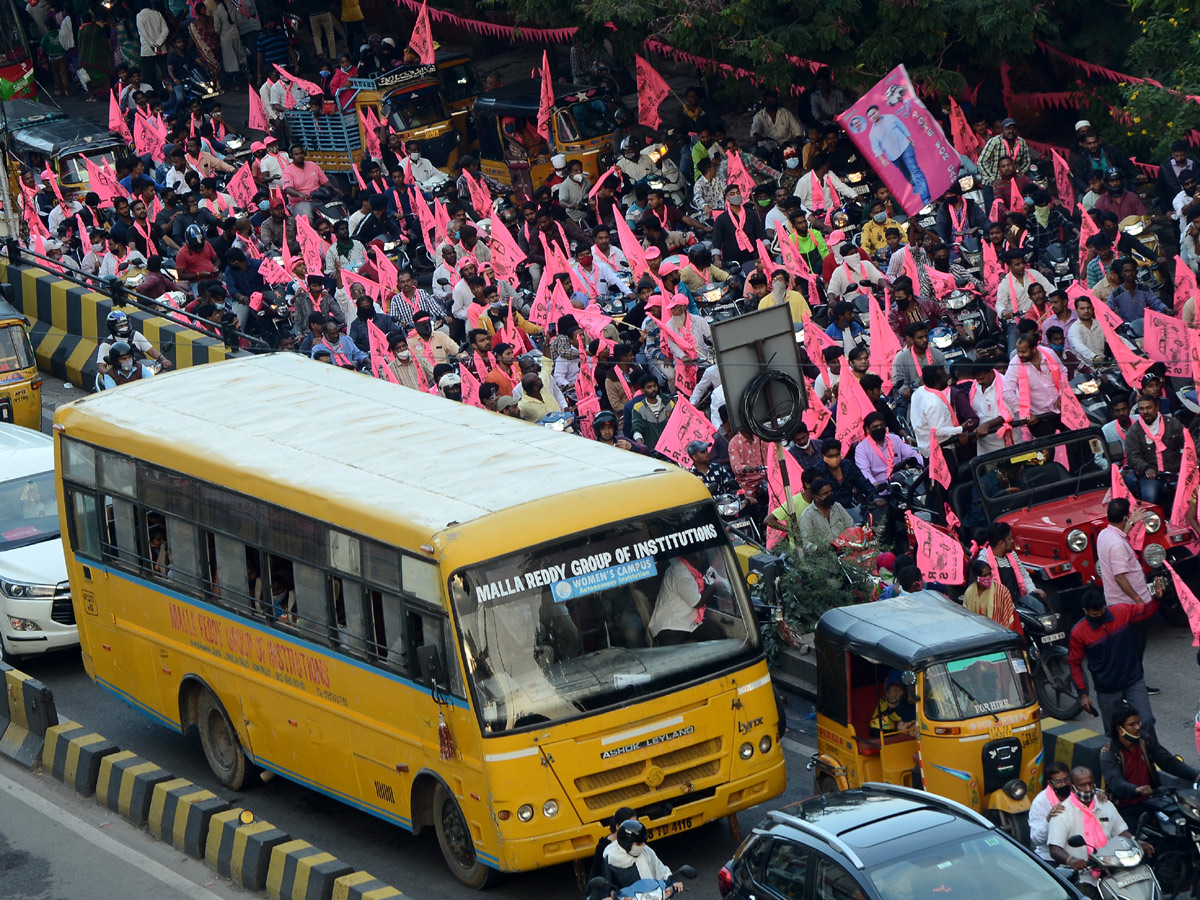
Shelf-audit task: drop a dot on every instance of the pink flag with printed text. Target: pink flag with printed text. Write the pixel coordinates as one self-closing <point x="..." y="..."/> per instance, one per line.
<point x="370" y="136"/>
<point x="1189" y="603"/>
<point x="853" y="406"/>
<point x="1062" y="181"/>
<point x="939" y="556"/>
<point x="389" y="278"/>
<point x="380" y="356"/>
<point x="736" y="173"/>
<point x="116" y="121"/>
<point x="241" y="186"/>
<point x="421" y="41"/>
<point x="373" y="289"/>
<point x="1185" y="285"/>
<point x="939" y="471"/>
<point x="1189" y="481"/>
<point x="258" y="116"/>
<point x="686" y="424"/>
<point x="652" y="90"/>
<point x="546" y="103"/>
<point x="1166" y="341"/>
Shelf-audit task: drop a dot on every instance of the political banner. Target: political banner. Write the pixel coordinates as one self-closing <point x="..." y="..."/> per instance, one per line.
<point x="903" y="142"/>
<point x="685" y="425"/>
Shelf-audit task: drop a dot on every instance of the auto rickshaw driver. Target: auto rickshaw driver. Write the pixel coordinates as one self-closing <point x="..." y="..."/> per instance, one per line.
<point x="895" y="713"/>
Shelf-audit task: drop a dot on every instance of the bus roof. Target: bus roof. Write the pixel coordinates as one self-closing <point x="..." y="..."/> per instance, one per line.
<point x="280" y="427"/>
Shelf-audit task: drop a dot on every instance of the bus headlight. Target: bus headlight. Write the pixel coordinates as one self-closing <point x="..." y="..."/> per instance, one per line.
<point x="1153" y="522"/>
<point x="550" y="809"/>
<point x="1154" y="555"/>
<point x="525" y="813"/>
<point x="764" y="745"/>
<point x="746" y="750"/>
<point x="1077" y="541"/>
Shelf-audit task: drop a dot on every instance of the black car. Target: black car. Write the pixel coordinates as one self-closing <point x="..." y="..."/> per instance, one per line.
<point x="883" y="842"/>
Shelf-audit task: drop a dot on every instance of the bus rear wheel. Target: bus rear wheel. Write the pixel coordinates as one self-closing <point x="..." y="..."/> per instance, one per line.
<point x="454" y="839"/>
<point x="220" y="742"/>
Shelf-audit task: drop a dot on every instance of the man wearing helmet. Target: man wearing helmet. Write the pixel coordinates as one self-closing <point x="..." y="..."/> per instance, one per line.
<point x="605" y="427"/>
<point x="197" y="259"/>
<point x="629" y="858"/>
<point x="120" y="328"/>
<point x="121" y="368"/>
<point x="1117" y="198"/>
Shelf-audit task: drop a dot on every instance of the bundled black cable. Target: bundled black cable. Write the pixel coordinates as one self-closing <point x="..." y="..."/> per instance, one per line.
<point x="770" y="428"/>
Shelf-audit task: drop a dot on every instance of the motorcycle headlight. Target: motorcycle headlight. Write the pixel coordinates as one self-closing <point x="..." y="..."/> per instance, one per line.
<point x="729" y="508"/>
<point x="1048" y="622"/>
<point x="1122" y="858"/>
<point x="1153" y="522"/>
<point x="942" y="341"/>
<point x="957" y="300"/>
<point x="855" y="177"/>
<point x="711" y="295"/>
<point x="1077" y="541"/>
<point x="1154" y="555"/>
<point x="840" y="220"/>
<point x="1090" y="386"/>
<point x="972" y="259"/>
<point x="1135" y="229"/>
<point x="967" y="183"/>
<point x="235" y="143"/>
<point x="389" y="246"/>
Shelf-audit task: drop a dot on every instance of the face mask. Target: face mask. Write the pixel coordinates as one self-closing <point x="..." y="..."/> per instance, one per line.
<point x="877" y="434"/>
<point x="404" y="355"/>
<point x="415" y="157"/>
<point x="278" y="598"/>
<point x="1057" y="348"/>
<point x="636" y="850"/>
<point x="1129" y="737"/>
<point x="1085" y="797"/>
<point x="126" y="365"/>
<point x="1063" y="792"/>
<point x="1042" y="214"/>
<point x="734" y="199"/>
<point x="778" y="288"/>
<point x="825" y="502"/>
<point x="942" y="265"/>
<point x="325" y="73"/>
<point x="1115" y="189"/>
<point x="577" y="178"/>
<point x="792" y="162"/>
<point x="879" y="218"/>
<point x="985" y="581"/>
<point x="364" y="312"/>
<point x="424" y="329"/>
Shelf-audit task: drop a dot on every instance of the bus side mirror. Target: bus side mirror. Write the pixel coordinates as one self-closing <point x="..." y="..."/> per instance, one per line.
<point x="429" y="665"/>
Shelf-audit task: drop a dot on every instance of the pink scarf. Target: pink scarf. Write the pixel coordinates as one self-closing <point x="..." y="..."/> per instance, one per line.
<point x="1093" y="831"/>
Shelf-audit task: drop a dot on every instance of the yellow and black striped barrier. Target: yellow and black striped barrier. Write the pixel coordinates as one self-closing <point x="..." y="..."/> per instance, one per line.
<point x="26" y="717"/>
<point x="67" y="324"/>
<point x="180" y="814"/>
<point x="1068" y="743"/>
<point x="240" y="846"/>
<point x="72" y="754"/>
<point x="126" y="785"/>
<point x="300" y="871"/>
<point x="362" y="886"/>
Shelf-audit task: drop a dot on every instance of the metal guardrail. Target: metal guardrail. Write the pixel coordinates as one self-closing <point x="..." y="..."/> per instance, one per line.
<point x="122" y="296"/>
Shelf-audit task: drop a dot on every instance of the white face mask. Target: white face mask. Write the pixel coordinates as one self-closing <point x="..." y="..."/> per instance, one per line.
<point x="403" y="355"/>
<point x="636" y="850"/>
<point x="415" y="156"/>
<point x="792" y="162"/>
<point x="126" y="365"/>
<point x="578" y="177"/>
<point x="778" y="288"/>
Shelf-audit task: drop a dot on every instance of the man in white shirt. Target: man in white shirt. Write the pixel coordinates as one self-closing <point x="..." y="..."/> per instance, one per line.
<point x="820" y="189"/>
<point x="424" y="173"/>
<point x="777" y="218"/>
<point x="774" y="124"/>
<point x="444" y="276"/>
<point x="1012" y="296"/>
<point x="687" y="587"/>
<point x="119" y="252"/>
<point x="64" y="211"/>
<point x="596" y="277"/>
<point x="987" y="399"/>
<point x="710" y="386"/>
<point x="1088" y="815"/>
<point x="272" y="165"/>
<point x="1047" y="805"/>
<point x="850" y="271"/>
<point x="1085" y="337"/>
<point x="930" y="409"/>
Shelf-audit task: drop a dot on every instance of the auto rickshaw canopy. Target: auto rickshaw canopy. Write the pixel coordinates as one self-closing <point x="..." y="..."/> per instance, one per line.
<point x="42" y="129"/>
<point x="524" y="98"/>
<point x="913" y="631"/>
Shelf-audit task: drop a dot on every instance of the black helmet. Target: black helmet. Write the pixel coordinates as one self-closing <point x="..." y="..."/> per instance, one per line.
<point x="700" y="256"/>
<point x="118" y="324"/>
<point x="604" y="418"/>
<point x="631" y="832"/>
<point x="117" y="350"/>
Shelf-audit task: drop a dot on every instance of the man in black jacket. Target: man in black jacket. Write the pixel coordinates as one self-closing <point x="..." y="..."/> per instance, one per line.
<point x="1130" y="762"/>
<point x="1096" y="156"/>
<point x="1153" y="447"/>
<point x="734" y="220"/>
<point x="359" y="332"/>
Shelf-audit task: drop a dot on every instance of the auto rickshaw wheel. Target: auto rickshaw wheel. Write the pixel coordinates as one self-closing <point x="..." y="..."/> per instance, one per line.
<point x="1017" y="825"/>
<point x="825" y="784"/>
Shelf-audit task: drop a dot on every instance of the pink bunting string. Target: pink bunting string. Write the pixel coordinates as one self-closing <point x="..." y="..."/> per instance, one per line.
<point x="494" y="29"/>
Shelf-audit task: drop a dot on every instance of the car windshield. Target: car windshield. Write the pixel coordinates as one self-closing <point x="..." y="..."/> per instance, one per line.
<point x="417" y="110"/>
<point x="601" y="619"/>
<point x="977" y="686"/>
<point x="984" y="867"/>
<point x="15" y="352"/>
<point x="1047" y="470"/>
<point x="460" y="81"/>
<point x="28" y="511"/>
<point x="584" y="121"/>
<point x="73" y="170"/>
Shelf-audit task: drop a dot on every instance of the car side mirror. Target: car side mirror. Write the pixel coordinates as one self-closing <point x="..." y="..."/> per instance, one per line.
<point x="429" y="665"/>
<point x="1076" y="840"/>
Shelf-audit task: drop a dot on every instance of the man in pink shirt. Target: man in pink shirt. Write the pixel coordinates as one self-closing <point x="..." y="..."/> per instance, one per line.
<point x="1032" y="384"/>
<point x="1120" y="569"/>
<point x="301" y="180"/>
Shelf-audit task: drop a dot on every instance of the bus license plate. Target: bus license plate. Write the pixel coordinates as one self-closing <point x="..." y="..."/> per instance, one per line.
<point x="1051" y="638"/>
<point x="1000" y="731"/>
<point x="679" y="825"/>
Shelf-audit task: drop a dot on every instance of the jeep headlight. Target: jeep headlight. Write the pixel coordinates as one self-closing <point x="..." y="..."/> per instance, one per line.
<point x="1077" y="541"/>
<point x="1153" y="522"/>
<point x="1154" y="555"/>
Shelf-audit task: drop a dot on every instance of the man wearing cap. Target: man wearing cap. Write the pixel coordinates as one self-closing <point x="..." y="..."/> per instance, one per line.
<point x="1005" y="144"/>
<point x="1093" y="155"/>
<point x="717" y="478"/>
<point x="273" y="162"/>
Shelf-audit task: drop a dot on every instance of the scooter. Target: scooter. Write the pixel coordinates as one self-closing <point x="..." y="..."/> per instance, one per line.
<point x="977" y="320"/>
<point x="1172" y="824"/>
<point x="1047" y="648"/>
<point x="1056" y="265"/>
<point x="1123" y="874"/>
<point x="642" y="889"/>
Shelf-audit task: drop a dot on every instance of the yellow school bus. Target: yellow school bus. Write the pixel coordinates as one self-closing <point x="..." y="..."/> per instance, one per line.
<point x="439" y="615"/>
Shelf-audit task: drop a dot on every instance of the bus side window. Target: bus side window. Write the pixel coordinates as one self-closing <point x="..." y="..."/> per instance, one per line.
<point x="312" y="604"/>
<point x="387" y="628"/>
<point x="182" y="553"/>
<point x="283" y="587"/>
<point x="123" y="531"/>
<point x="350" y="624"/>
<point x="426" y="629"/>
<point x="85" y="530"/>
<point x="227" y="563"/>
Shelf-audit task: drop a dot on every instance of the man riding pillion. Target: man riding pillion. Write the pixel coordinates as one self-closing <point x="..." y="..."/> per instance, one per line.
<point x="1131" y="760"/>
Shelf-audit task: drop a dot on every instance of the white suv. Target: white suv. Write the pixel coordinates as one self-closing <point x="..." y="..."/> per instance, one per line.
<point x="35" y="598"/>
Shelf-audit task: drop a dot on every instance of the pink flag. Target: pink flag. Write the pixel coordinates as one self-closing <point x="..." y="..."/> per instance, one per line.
<point x="595" y="189"/>
<point x="506" y="253"/>
<point x="966" y="141"/>
<point x="421" y="41"/>
<point x="481" y="197"/>
<point x="51" y="179"/>
<point x="1062" y="180"/>
<point x="587" y="404"/>
<point x="85" y="242"/>
<point x="817" y="416"/>
<point x="1166" y="341"/>
<point x="592" y="321"/>
<point x="1189" y="603"/>
<point x="685" y="425"/>
<point x="1185" y="285"/>
<point x="546" y="106"/>
<point x="992" y="271"/>
<point x="428" y="224"/>
<point x="1016" y="202"/>
<point x="116" y="121"/>
<point x="1132" y="366"/>
<point x="795" y="473"/>
<point x="370" y="137"/>
<point x="1189" y="481"/>
<point x="1087" y="228"/>
<point x="144" y="135"/>
<point x="1118" y="489"/>
<point x="470" y="387"/>
<point x="737" y="174"/>
<point x="389" y="278"/>
<point x="939" y="556"/>
<point x="272" y="272"/>
<point x="852" y="407"/>
<point x="885" y="346"/>
<point x="633" y="250"/>
<point x="312" y="248"/>
<point x="939" y="471"/>
<point x="1073" y="416"/>
<point x="241" y="186"/>
<point x="307" y="86"/>
<point x="372" y="288"/>
<point x="652" y="90"/>
<point x="380" y="356"/>
<point x="258" y="116"/>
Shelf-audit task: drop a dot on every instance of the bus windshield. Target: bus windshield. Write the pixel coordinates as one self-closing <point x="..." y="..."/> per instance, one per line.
<point x="978" y="686"/>
<point x="602" y="618"/>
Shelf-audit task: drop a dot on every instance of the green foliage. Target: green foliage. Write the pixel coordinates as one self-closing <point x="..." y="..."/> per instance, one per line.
<point x="811" y="585"/>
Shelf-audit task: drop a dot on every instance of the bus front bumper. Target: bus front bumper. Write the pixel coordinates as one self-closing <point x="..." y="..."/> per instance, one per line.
<point x="523" y="854"/>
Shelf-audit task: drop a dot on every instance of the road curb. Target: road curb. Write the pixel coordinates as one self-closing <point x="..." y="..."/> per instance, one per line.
<point x="26" y="718"/>
<point x="300" y="871"/>
<point x="180" y="815"/>
<point x="362" y="886"/>
<point x="1068" y="743"/>
<point x="72" y="754"/>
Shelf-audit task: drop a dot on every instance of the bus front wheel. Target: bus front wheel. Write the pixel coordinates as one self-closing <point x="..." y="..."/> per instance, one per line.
<point x="220" y="742"/>
<point x="454" y="838"/>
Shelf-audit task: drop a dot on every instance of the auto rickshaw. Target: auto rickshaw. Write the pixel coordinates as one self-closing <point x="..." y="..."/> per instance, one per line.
<point x="967" y="722"/>
<point x="41" y="135"/>
<point x="20" y="382"/>
<point x="513" y="152"/>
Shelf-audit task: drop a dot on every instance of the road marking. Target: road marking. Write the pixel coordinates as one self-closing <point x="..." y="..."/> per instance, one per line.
<point x="60" y="816"/>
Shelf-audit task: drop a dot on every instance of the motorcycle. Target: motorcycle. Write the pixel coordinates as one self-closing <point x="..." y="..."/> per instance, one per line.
<point x="970" y="250"/>
<point x="732" y="510"/>
<point x="976" y="318"/>
<point x="642" y="889"/>
<point x="1097" y="389"/>
<point x="947" y="339"/>
<point x="273" y="319"/>
<point x="1047" y="649"/>
<point x="1056" y="266"/>
<point x="1123" y="874"/>
<point x="1171" y="823"/>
